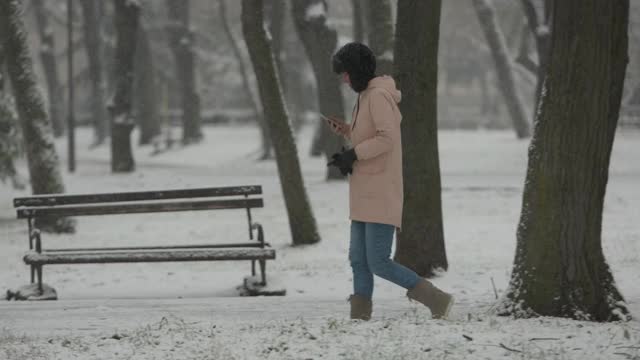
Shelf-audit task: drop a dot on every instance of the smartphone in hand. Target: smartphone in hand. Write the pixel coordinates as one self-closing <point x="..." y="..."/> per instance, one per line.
<point x="337" y="126"/>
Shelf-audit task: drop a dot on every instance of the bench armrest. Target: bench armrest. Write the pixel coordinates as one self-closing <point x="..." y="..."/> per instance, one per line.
<point x="35" y="235"/>
<point x="258" y="227"/>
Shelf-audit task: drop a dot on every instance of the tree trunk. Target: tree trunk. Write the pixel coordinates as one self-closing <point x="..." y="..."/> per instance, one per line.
<point x="246" y="85"/>
<point x="542" y="32"/>
<point x="320" y="40"/>
<point x="381" y="35"/>
<point x="107" y="24"/>
<point x="634" y="97"/>
<point x="366" y="21"/>
<point x="559" y="267"/>
<point x="301" y="96"/>
<point x="358" y="25"/>
<point x="488" y="106"/>
<point x="44" y="166"/>
<point x="48" y="59"/>
<point x="181" y="40"/>
<point x="504" y="67"/>
<point x="276" y="16"/>
<point x="523" y="58"/>
<point x="93" y="45"/>
<point x="146" y="90"/>
<point x="126" y="18"/>
<point x="8" y="139"/>
<point x="420" y="244"/>
<point x="8" y="130"/>
<point x="301" y="220"/>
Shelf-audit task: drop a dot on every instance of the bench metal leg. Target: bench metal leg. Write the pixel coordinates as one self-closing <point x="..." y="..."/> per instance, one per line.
<point x="253" y="268"/>
<point x="33" y="274"/>
<point x="263" y="272"/>
<point x="39" y="270"/>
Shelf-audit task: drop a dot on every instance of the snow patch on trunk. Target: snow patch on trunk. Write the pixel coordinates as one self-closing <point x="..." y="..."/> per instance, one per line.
<point x="315" y="11"/>
<point x="543" y="30"/>
<point x="387" y="55"/>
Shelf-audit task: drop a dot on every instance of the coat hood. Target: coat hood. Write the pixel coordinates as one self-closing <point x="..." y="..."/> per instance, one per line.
<point x="386" y="82"/>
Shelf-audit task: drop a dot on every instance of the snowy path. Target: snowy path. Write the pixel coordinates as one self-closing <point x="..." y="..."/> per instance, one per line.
<point x="82" y="317"/>
<point x="298" y="328"/>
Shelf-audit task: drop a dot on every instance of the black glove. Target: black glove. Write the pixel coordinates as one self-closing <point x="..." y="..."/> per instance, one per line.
<point x="344" y="161"/>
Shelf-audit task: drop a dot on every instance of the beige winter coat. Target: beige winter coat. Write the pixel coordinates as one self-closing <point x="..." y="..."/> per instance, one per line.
<point x="375" y="187"/>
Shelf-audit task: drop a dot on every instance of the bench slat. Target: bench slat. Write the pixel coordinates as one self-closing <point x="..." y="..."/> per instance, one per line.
<point x="212" y="246"/>
<point x="138" y="208"/>
<point x="34" y="258"/>
<point x="55" y="200"/>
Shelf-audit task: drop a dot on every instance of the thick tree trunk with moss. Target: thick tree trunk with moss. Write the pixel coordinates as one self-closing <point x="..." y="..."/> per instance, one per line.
<point x="44" y="166"/>
<point x="8" y="139"/>
<point x="246" y="84"/>
<point x="181" y="40"/>
<point x="320" y="41"/>
<point x="93" y="45"/>
<point x="49" y="65"/>
<point x="146" y="90"/>
<point x="8" y="131"/>
<point x="421" y="242"/>
<point x="381" y="35"/>
<point x="126" y="18"/>
<point x="301" y="220"/>
<point x="504" y="67"/>
<point x="559" y="267"/>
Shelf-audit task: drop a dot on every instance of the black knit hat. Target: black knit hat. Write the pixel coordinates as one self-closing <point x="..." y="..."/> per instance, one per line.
<point x="358" y="61"/>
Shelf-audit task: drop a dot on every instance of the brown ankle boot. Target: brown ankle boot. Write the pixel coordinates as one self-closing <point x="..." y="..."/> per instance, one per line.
<point x="438" y="301"/>
<point x="360" y="307"/>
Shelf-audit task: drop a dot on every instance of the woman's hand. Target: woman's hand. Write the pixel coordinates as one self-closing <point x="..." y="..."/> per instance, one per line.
<point x="344" y="160"/>
<point x="337" y="125"/>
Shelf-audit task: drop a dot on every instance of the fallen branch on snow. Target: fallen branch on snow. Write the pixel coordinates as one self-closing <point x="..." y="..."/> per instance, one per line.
<point x="508" y="348"/>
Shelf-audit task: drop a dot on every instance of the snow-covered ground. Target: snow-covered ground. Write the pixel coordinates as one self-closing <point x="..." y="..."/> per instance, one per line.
<point x="190" y="310"/>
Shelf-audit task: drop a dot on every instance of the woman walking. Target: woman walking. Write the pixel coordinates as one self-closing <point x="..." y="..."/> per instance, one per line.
<point x="375" y="183"/>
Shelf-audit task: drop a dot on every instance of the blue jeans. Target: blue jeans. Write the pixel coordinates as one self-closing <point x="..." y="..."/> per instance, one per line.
<point x="369" y="253"/>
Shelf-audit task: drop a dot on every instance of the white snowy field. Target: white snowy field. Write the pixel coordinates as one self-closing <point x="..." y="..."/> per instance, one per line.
<point x="190" y="310"/>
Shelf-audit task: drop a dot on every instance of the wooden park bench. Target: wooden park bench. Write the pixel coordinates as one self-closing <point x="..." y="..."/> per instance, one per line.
<point x="240" y="197"/>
